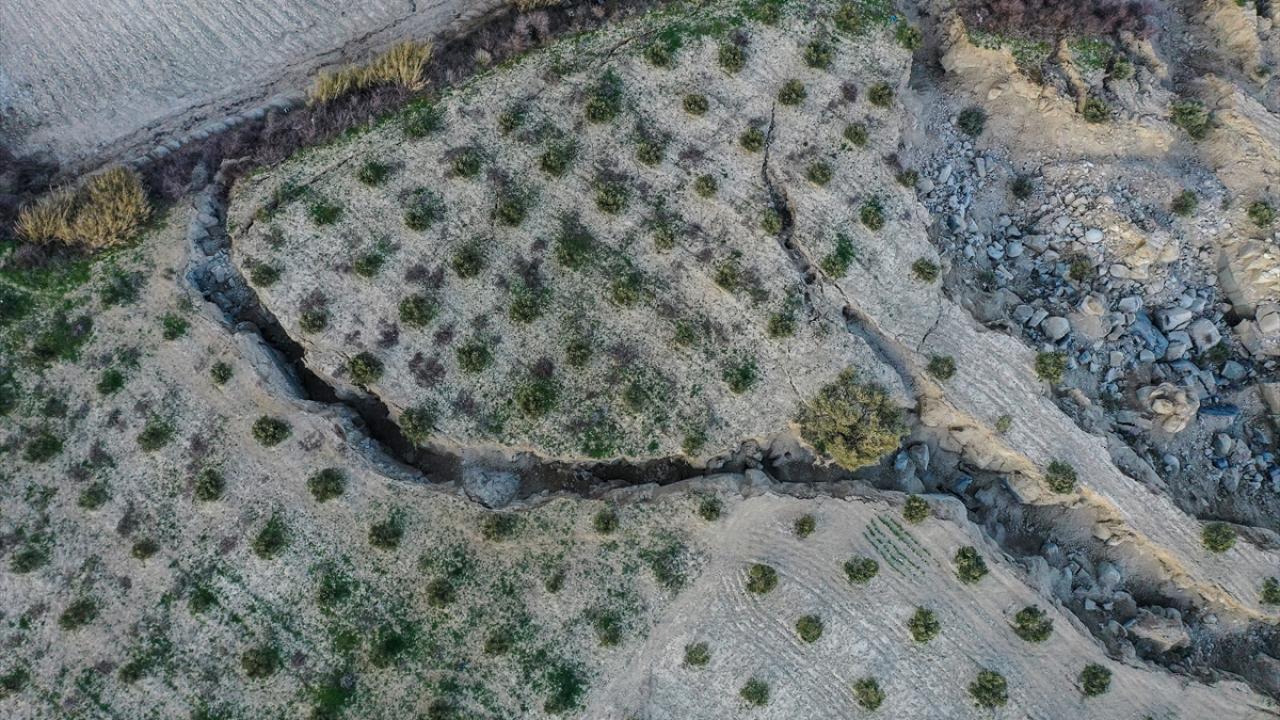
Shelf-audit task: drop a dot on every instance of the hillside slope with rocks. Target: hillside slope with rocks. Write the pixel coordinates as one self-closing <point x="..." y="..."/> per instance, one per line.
<point x="730" y="359"/>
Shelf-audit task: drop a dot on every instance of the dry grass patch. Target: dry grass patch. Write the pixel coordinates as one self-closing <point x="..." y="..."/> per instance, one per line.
<point x="109" y="210"/>
<point x="404" y="64"/>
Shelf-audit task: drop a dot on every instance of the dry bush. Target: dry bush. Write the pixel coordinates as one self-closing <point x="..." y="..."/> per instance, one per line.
<point x="47" y="219"/>
<point x="1056" y="18"/>
<point x="112" y="210"/>
<point x="527" y="5"/>
<point x="854" y="423"/>
<point x="404" y="65"/>
<point x="109" y="210"/>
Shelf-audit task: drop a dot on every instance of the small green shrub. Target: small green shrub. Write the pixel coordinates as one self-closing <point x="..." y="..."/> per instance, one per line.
<point x="908" y="178"/>
<point x="417" y="423"/>
<point x="155" y="434"/>
<point x="915" y="510"/>
<point x="260" y="662"/>
<point x="1121" y="69"/>
<point x="313" y="320"/>
<point x="761" y="579"/>
<point x="819" y="173"/>
<point x="79" y="613"/>
<point x="809" y="628"/>
<point x="270" y="431"/>
<point x="732" y="58"/>
<point x="1261" y="213"/>
<point x="741" y="375"/>
<point x="110" y="382"/>
<point x="972" y="121"/>
<point x="468" y="261"/>
<point x="627" y="288"/>
<point x="970" y="567"/>
<point x="792" y="92"/>
<point x="856" y="134"/>
<point x="1218" y="537"/>
<point x="512" y="119"/>
<point x="1191" y="116"/>
<point x="512" y="205"/>
<point x="1094" y="680"/>
<point x="323" y="212"/>
<point x="818" y="54"/>
<point x="417" y="310"/>
<point x="386" y="535"/>
<point x="607" y="625"/>
<point x="924" y="625"/>
<point x="1185" y="203"/>
<point x="612" y="197"/>
<point x="755" y="692"/>
<point x="1060" y="477"/>
<point x="1021" y="187"/>
<point x="575" y="246"/>
<point x="605" y="521"/>
<point x="421" y="119"/>
<point x="364" y="368"/>
<point x="837" y="262"/>
<point x="528" y="303"/>
<point x="272" y="539"/>
<point x="752" y="139"/>
<point x="604" y="102"/>
<point x="696" y="104"/>
<point x="497" y="526"/>
<point x="989" y="689"/>
<point x="440" y="593"/>
<point x="1271" y="591"/>
<point x="537" y="397"/>
<point x="942" y="367"/>
<point x="423" y="208"/>
<point x="370" y="263"/>
<point x="94" y="496"/>
<point x="264" y="275"/>
<point x="709" y="508"/>
<point x="880" y="95"/>
<point x="373" y="173"/>
<point x="14" y="681"/>
<point x="660" y="54"/>
<point x="908" y="35"/>
<point x="1033" y="624"/>
<point x="173" y="326"/>
<point x="804" y="526"/>
<point x="860" y="570"/>
<point x="209" y="485"/>
<point x="144" y="548"/>
<point x="1051" y="366"/>
<point x="706" y="186"/>
<point x="42" y="447"/>
<point x="327" y="484"/>
<point x="872" y="214"/>
<point x="925" y="270"/>
<point x="558" y="157"/>
<point x="1095" y="110"/>
<point x="697" y="654"/>
<point x="771" y="221"/>
<point x="467" y="162"/>
<point x="474" y="356"/>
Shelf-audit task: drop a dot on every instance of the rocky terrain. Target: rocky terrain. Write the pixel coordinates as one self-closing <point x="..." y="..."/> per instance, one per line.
<point x="726" y="360"/>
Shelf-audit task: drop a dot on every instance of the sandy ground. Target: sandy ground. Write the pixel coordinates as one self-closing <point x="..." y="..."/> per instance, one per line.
<point x="85" y="80"/>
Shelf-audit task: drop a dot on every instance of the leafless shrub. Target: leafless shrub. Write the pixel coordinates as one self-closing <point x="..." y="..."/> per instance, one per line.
<point x="1056" y="18"/>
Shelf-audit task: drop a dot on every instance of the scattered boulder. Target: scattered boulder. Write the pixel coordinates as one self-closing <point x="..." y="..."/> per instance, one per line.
<point x="1171" y="407"/>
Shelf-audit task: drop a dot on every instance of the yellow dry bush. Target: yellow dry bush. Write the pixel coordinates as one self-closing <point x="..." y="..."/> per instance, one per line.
<point x="404" y="64"/>
<point x="112" y="210"/>
<point x="48" y="219"/>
